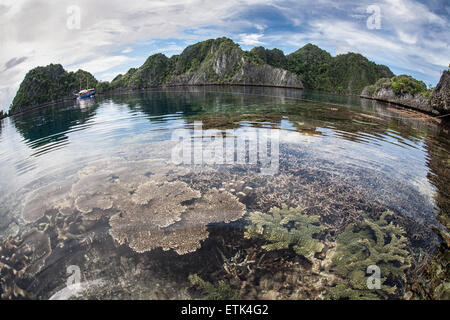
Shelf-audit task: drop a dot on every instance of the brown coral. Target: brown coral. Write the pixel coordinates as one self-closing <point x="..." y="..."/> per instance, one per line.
<point x="20" y="258"/>
<point x="181" y="240"/>
<point x="13" y="264"/>
<point x="44" y="199"/>
<point x="171" y="215"/>
<point x="86" y="204"/>
<point x="214" y="206"/>
<point x="152" y="207"/>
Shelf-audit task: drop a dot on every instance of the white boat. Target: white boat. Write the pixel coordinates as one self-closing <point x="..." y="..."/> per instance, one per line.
<point x="86" y="93"/>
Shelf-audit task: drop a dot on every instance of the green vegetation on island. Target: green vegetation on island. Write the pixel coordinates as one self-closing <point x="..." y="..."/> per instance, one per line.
<point x="403" y="90"/>
<point x="346" y="73"/>
<point x="400" y="85"/>
<point x="214" y="61"/>
<point x="51" y="83"/>
<point x="274" y="57"/>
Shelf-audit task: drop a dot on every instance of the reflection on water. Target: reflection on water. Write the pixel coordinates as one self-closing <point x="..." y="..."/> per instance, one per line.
<point x="91" y="186"/>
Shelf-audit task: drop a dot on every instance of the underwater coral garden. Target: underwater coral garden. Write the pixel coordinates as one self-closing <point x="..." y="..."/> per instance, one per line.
<point x="143" y="229"/>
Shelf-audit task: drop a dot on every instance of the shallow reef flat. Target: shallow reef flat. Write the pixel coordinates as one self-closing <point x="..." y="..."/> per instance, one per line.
<point x="147" y="229"/>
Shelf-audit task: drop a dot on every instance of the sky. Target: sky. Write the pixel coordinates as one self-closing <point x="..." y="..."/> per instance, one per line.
<point x="107" y="37"/>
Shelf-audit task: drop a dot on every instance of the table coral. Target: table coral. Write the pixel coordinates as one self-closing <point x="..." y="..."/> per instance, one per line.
<point x="171" y="215"/>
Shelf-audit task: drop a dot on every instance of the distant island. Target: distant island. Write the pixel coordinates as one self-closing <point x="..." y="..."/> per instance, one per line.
<point x="221" y="61"/>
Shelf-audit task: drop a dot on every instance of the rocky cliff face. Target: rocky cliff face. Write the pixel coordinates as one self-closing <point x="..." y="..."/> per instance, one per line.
<point x="251" y="73"/>
<point x="216" y="61"/>
<point x="418" y="101"/>
<point x="403" y="90"/>
<point x="440" y="99"/>
<point x="224" y="62"/>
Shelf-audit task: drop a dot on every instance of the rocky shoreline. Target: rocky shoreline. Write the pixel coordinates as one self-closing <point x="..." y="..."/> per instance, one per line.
<point x="416" y="102"/>
<point x="438" y="104"/>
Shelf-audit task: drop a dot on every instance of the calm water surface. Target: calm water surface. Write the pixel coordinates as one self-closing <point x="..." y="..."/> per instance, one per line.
<point x="92" y="187"/>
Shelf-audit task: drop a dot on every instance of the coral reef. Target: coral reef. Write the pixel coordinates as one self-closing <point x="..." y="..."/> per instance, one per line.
<point x="284" y="228"/>
<point x="153" y="207"/>
<point x="367" y="243"/>
<point x="213" y="207"/>
<point x="278" y="274"/>
<point x="45" y="198"/>
<point x="39" y="244"/>
<point x="287" y="253"/>
<point x="432" y="279"/>
<point x="171" y="215"/>
<point x="20" y="258"/>
<point x="223" y="291"/>
<point x="13" y="265"/>
<point x="157" y="205"/>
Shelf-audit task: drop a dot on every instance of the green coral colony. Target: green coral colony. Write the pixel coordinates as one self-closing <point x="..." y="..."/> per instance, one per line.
<point x="283" y="228"/>
<point x="367" y="243"/>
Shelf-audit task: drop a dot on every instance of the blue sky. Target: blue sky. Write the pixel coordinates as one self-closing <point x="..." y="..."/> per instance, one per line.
<point x="410" y="36"/>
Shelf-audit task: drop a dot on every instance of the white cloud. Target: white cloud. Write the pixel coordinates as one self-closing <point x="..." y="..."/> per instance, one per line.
<point x="127" y="50"/>
<point x="109" y="76"/>
<point x="251" y="39"/>
<point x="100" y="64"/>
<point x="260" y="27"/>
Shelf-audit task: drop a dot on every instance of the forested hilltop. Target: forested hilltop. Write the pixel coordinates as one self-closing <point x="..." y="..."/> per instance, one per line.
<point x="346" y="73"/>
<point x="215" y="61"/>
<point x="48" y="84"/>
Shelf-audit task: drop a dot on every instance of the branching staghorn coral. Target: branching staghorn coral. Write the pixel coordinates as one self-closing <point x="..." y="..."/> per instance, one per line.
<point x="286" y="227"/>
<point x="379" y="243"/>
